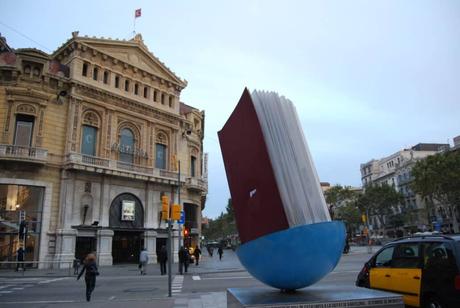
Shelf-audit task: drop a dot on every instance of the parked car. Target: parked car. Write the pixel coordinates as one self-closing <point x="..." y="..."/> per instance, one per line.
<point x="424" y="269"/>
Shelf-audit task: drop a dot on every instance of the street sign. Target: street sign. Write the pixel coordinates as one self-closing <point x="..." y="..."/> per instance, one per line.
<point x="182" y="218"/>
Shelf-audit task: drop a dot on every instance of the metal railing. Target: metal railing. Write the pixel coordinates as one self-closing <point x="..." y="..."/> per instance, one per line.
<point x="197" y="183"/>
<point x="88" y="160"/>
<point x="22" y="152"/>
<point x="62" y="266"/>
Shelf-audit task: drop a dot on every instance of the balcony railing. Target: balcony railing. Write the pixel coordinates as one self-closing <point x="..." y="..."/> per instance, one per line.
<point x="196" y="184"/>
<point x="115" y="165"/>
<point x="17" y="152"/>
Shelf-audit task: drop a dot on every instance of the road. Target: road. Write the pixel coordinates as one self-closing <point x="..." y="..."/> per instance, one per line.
<point x="122" y="286"/>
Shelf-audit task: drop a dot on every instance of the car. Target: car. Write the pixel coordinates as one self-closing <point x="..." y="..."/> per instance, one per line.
<point x="425" y="269"/>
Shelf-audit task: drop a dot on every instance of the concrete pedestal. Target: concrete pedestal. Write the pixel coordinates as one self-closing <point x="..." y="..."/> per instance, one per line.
<point x="313" y="297"/>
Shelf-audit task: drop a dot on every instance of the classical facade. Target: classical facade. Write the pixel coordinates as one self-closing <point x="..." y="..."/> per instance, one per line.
<point x="395" y="171"/>
<point x="92" y="136"/>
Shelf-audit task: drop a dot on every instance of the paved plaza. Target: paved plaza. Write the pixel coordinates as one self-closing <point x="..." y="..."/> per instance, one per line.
<point x="121" y="286"/>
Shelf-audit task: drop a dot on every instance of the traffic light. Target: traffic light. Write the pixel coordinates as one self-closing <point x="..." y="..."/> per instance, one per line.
<point x="176" y="212"/>
<point x="164" y="208"/>
<point x="186" y="232"/>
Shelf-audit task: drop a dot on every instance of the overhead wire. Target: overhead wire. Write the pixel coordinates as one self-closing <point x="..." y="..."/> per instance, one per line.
<point x="25" y="36"/>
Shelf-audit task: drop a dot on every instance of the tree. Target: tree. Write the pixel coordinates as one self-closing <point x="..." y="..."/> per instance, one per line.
<point x="350" y="215"/>
<point x="222" y="226"/>
<point x="337" y="196"/>
<point x="342" y="206"/>
<point x="437" y="178"/>
<point x="379" y="201"/>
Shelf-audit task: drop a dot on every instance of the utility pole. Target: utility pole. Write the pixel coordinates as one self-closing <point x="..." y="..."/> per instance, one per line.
<point x="178" y="202"/>
<point x="169" y="258"/>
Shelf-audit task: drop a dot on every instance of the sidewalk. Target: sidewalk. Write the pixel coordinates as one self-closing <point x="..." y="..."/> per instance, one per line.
<point x="207" y="264"/>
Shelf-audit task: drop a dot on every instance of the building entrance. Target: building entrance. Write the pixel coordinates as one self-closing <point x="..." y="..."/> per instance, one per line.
<point x="126" y="246"/>
<point x="84" y="246"/>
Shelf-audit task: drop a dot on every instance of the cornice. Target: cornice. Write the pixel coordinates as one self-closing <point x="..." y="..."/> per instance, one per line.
<point x="80" y="43"/>
<point x="27" y="94"/>
<point x="116" y="102"/>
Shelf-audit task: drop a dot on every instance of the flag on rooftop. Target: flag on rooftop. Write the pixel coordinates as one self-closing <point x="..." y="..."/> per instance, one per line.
<point x="137" y="13"/>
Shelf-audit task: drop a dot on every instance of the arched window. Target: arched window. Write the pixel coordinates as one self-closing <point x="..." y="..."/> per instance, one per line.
<point x="161" y="147"/>
<point x="95" y="73"/>
<point x="126" y="145"/>
<point x="84" y="71"/>
<point x="106" y="77"/>
<point x="88" y="140"/>
<point x="89" y="134"/>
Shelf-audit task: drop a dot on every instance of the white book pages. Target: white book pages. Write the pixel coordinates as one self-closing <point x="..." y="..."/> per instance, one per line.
<point x="295" y="174"/>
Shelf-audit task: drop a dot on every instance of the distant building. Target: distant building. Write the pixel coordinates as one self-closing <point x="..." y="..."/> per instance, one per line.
<point x="395" y="171"/>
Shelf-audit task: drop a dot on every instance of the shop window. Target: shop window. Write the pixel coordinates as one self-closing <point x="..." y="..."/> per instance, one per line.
<point x="160" y="156"/>
<point x="88" y="141"/>
<point x="126" y="145"/>
<point x="13" y="199"/>
<point x="95" y="73"/>
<point x="84" y="71"/>
<point x="117" y="82"/>
<point x="24" y="130"/>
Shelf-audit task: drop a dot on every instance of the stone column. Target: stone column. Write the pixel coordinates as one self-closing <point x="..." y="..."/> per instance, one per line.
<point x="65" y="248"/>
<point x="104" y="247"/>
<point x="150" y="242"/>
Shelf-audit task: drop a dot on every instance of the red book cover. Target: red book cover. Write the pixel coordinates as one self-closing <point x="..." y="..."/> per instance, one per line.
<point x="255" y="197"/>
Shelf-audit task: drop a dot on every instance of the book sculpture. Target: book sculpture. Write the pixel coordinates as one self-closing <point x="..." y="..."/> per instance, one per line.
<point x="288" y="240"/>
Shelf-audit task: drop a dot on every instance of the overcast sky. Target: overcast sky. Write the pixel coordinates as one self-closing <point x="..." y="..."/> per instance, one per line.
<point x="368" y="78"/>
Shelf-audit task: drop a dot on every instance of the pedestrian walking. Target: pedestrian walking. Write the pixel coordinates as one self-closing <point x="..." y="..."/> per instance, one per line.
<point x="220" y="251"/>
<point x="90" y="269"/>
<point x="162" y="258"/>
<point x="183" y="259"/>
<point x="76" y="266"/>
<point x="20" y="259"/>
<point x="143" y="260"/>
<point x="197" y="253"/>
<point x="210" y="250"/>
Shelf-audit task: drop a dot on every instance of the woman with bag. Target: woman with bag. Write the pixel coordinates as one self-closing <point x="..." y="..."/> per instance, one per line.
<point x="90" y="276"/>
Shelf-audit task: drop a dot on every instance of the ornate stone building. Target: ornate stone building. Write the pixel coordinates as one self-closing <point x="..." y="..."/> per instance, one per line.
<point x="91" y="138"/>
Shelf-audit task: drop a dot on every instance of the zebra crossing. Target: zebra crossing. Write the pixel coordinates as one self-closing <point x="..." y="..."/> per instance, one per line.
<point x="177" y="283"/>
<point x="11" y="285"/>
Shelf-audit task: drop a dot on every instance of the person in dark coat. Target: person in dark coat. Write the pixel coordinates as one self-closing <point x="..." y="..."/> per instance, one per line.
<point x="20" y="263"/>
<point x="90" y="269"/>
<point x="197" y="253"/>
<point x="183" y="259"/>
<point x="162" y="258"/>
<point x="220" y="251"/>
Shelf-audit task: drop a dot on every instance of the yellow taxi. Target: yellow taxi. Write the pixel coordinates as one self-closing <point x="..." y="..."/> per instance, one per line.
<point x="424" y="269"/>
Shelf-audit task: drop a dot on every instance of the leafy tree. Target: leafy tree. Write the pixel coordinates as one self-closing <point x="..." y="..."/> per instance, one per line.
<point x="338" y="195"/>
<point x="378" y="201"/>
<point x="351" y="216"/>
<point x="222" y="226"/>
<point x="437" y="178"/>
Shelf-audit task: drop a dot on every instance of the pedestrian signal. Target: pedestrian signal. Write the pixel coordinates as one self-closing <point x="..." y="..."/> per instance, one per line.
<point x="164" y="208"/>
<point x="176" y="212"/>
